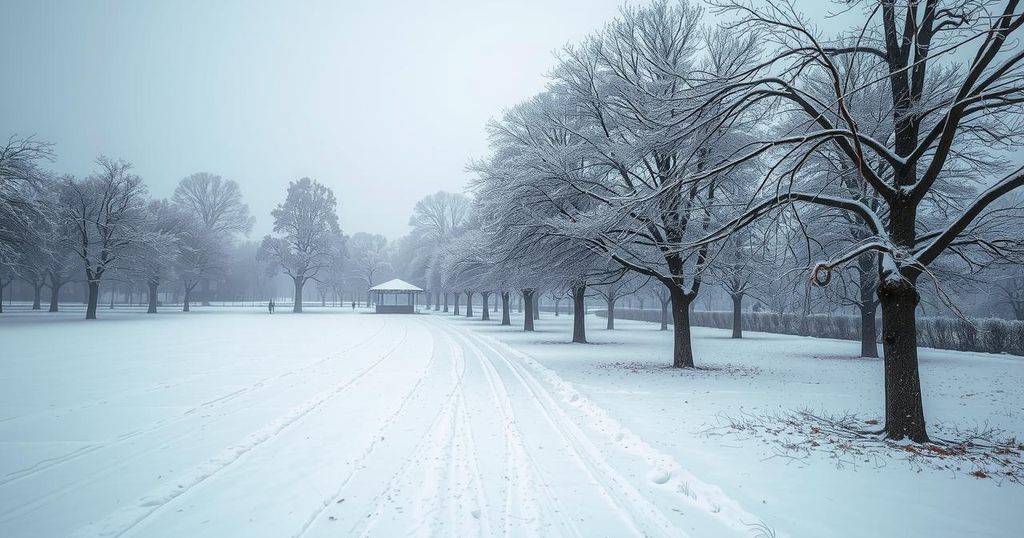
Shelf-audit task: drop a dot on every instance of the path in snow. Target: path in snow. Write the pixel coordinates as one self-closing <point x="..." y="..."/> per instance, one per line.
<point x="337" y="424"/>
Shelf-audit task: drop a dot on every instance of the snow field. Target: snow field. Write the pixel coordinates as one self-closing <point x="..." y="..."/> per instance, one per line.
<point x="227" y="423"/>
<point x="234" y="422"/>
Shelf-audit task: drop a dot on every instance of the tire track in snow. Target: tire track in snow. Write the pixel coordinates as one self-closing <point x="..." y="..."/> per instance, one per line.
<point x="635" y="510"/>
<point x="364" y="526"/>
<point x="123" y="521"/>
<point x="458" y="450"/>
<point x="210" y="405"/>
<point x="676" y="479"/>
<point x="367" y="452"/>
<point x="523" y="472"/>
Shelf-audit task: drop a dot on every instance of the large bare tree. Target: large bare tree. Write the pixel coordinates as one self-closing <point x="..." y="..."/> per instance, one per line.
<point x="954" y="85"/>
<point x="368" y="255"/>
<point x="106" y="215"/>
<point x="21" y="180"/>
<point x="220" y="214"/>
<point x="308" y="234"/>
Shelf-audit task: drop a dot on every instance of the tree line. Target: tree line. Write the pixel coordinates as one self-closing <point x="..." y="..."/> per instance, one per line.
<point x="105" y="230"/>
<point x="871" y="169"/>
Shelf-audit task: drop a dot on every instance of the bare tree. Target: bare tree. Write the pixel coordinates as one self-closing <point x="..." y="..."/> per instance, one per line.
<point x="219" y="210"/>
<point x="436" y="220"/>
<point x="20" y="181"/>
<point x="634" y="149"/>
<point x="106" y="213"/>
<point x="941" y="116"/>
<point x="309" y="237"/>
<point x="158" y="257"/>
<point x="369" y="257"/>
<point x="1011" y="291"/>
<point x="199" y="258"/>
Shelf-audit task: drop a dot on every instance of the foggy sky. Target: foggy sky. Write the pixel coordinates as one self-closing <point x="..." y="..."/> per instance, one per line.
<point x="384" y="102"/>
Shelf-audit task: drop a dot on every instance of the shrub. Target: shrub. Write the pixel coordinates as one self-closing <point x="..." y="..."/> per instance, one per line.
<point x="967" y="334"/>
<point x="995" y="335"/>
<point x="992" y="335"/>
<point x="1016" y="338"/>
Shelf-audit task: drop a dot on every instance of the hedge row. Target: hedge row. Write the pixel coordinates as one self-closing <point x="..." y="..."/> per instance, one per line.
<point x="990" y="335"/>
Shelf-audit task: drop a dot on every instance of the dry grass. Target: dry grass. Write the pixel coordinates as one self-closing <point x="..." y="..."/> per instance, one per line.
<point x="848" y="441"/>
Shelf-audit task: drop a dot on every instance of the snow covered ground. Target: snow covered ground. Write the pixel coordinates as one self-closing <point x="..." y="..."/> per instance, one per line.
<point x="232" y="422"/>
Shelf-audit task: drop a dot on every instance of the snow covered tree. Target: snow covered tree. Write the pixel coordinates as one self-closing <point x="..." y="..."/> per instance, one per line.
<point x="21" y="178"/>
<point x="527" y="252"/>
<point x="435" y="221"/>
<point x="308" y="234"/>
<point x="946" y="103"/>
<point x="218" y="208"/>
<point x="332" y="280"/>
<point x="158" y="257"/>
<point x="611" y="134"/>
<point x="368" y="255"/>
<point x="106" y="215"/>
<point x="617" y="283"/>
<point x="199" y="258"/>
<point x="55" y="238"/>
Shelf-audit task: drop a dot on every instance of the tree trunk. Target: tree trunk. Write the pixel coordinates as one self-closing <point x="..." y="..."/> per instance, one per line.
<point x="664" y="314"/>
<point x="446" y="301"/>
<point x="904" y="411"/>
<point x="737" y="315"/>
<point x="37" y="296"/>
<point x="153" y="294"/>
<point x="112" y="294"/>
<point x="55" y="296"/>
<point x="484" y="315"/>
<point x="579" y="312"/>
<point x="187" y="306"/>
<point x="455" y="310"/>
<point x="682" y="350"/>
<point x="610" y="314"/>
<point x="868" y="330"/>
<point x="536" y="304"/>
<point x="528" y="303"/>
<point x="469" y="304"/>
<point x="93" y="298"/>
<point x="505" y="318"/>
<point x="299" y="282"/>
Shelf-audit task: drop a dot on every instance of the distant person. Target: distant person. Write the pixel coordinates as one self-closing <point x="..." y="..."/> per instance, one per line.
<point x="353" y="305"/>
<point x="270" y="306"/>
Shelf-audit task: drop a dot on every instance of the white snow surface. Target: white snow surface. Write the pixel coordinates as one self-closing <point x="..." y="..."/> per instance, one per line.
<point x="234" y="422"/>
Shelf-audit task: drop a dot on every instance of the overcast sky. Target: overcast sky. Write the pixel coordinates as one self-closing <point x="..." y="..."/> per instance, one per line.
<point x="383" y="101"/>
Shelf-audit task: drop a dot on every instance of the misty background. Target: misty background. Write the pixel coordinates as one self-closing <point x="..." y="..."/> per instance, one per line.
<point x="384" y="102"/>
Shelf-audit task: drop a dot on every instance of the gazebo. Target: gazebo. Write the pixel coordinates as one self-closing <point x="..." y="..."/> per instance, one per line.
<point x="402" y="297"/>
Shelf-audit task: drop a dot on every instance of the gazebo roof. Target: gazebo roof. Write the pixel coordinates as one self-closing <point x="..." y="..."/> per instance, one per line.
<point x="395" y="285"/>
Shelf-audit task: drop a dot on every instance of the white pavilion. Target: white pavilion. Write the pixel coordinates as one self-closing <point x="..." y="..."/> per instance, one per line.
<point x="396" y="297"/>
